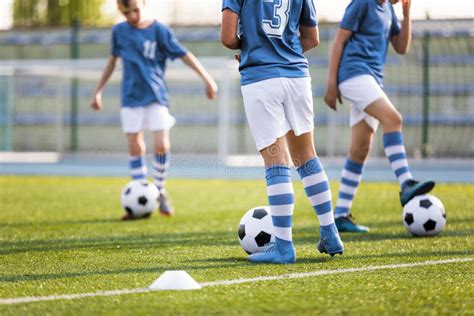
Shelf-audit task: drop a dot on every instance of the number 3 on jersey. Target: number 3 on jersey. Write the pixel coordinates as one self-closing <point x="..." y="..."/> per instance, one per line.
<point x="149" y="49"/>
<point x="280" y="14"/>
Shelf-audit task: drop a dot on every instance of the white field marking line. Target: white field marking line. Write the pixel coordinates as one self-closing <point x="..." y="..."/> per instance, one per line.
<point x="327" y="272"/>
<point x="31" y="299"/>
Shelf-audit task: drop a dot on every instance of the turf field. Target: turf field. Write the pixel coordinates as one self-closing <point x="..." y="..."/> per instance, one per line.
<point x="62" y="236"/>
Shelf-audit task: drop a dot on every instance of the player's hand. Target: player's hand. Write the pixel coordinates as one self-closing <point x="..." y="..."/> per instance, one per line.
<point x="211" y="89"/>
<point x="96" y="102"/>
<point x="332" y="96"/>
<point x="406" y="5"/>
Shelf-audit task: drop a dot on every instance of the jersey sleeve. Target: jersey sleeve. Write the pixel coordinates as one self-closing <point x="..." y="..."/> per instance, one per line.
<point x="354" y="15"/>
<point x="233" y="5"/>
<point x="115" y="45"/>
<point x="170" y="44"/>
<point x="309" y="16"/>
<point x="395" y="28"/>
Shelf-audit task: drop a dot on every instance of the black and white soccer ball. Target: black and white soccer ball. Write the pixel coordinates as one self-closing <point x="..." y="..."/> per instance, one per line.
<point x="256" y="229"/>
<point x="424" y="215"/>
<point x="140" y="198"/>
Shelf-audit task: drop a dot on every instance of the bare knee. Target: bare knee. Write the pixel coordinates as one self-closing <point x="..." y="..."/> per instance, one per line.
<point x="393" y="122"/>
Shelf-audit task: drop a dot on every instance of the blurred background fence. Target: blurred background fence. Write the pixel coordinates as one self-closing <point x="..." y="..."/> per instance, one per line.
<point x="44" y="95"/>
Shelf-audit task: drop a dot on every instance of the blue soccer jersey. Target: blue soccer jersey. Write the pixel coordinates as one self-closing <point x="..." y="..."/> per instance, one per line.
<point x="144" y="53"/>
<point x="268" y="29"/>
<point x="372" y="24"/>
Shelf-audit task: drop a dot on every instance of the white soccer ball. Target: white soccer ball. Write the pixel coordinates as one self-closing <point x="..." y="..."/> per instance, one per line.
<point x="424" y="215"/>
<point x="140" y="198"/>
<point x="256" y="229"/>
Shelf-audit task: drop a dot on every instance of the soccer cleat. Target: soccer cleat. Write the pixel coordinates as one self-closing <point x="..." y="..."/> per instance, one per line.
<point x="347" y="224"/>
<point x="412" y="188"/>
<point x="330" y="242"/>
<point x="274" y="255"/>
<point x="165" y="206"/>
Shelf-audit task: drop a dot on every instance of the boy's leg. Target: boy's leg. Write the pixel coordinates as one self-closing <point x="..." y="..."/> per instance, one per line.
<point x="265" y="114"/>
<point x="137" y="159"/>
<point x="394" y="147"/>
<point x="317" y="189"/>
<point x="161" y="158"/>
<point x="281" y="201"/>
<point x="351" y="175"/>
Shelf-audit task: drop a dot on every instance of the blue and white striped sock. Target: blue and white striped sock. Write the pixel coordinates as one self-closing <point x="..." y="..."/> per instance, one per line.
<point x="395" y="152"/>
<point x="317" y="189"/>
<point x="137" y="165"/>
<point x="160" y="170"/>
<point x="350" y="179"/>
<point x="281" y="200"/>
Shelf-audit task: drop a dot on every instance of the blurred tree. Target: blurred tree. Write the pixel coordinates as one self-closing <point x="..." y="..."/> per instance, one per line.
<point x="37" y="13"/>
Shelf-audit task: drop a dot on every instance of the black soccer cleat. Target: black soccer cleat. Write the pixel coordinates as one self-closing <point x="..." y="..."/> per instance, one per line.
<point x="412" y="188"/>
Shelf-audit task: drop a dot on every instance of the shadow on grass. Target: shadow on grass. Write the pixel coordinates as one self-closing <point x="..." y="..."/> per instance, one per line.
<point x="398" y="223"/>
<point x="98" y="221"/>
<point x="421" y="254"/>
<point x="304" y="235"/>
<point x="157" y="269"/>
<point x="227" y="262"/>
<point x="168" y="239"/>
<point x="243" y="259"/>
<point x="403" y="236"/>
<point x="311" y="235"/>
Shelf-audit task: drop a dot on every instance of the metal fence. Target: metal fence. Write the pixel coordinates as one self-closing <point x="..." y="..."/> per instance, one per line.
<point x="44" y="104"/>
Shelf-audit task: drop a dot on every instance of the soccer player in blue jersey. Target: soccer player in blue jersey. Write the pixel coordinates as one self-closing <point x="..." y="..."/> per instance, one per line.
<point x="144" y="45"/>
<point x="356" y="72"/>
<point x="276" y="87"/>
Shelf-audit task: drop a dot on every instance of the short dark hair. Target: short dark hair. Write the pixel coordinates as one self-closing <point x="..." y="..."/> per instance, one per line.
<point x="125" y="3"/>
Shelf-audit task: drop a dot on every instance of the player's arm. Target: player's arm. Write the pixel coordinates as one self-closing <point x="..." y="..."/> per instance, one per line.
<point x="211" y="86"/>
<point x="332" y="91"/>
<point x="229" y="37"/>
<point x="309" y="37"/>
<point x="96" y="102"/>
<point x="401" y="42"/>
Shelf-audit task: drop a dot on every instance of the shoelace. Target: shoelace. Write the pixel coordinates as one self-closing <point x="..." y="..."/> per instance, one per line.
<point x="269" y="247"/>
<point x="351" y="218"/>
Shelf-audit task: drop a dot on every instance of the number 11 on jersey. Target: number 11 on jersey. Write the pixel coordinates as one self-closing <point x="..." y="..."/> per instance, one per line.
<point x="281" y="12"/>
<point x="149" y="49"/>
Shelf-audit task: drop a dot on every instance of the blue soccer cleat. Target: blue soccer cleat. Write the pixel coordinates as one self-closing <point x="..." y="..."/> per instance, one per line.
<point x="412" y="188"/>
<point x="275" y="254"/>
<point x="330" y="242"/>
<point x="347" y="224"/>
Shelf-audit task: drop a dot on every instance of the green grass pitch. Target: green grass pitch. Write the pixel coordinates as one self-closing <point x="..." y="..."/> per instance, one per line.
<point x="62" y="235"/>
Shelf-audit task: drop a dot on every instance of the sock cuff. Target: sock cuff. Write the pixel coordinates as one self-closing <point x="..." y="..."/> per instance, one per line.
<point x="353" y="166"/>
<point x="312" y="166"/>
<point x="162" y="158"/>
<point x="283" y="243"/>
<point x="392" y="139"/>
<point x="137" y="161"/>
<point x="276" y="171"/>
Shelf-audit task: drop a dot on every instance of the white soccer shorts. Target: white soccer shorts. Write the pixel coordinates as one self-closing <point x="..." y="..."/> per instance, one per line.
<point x="153" y="117"/>
<point x="275" y="106"/>
<point x="361" y="91"/>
